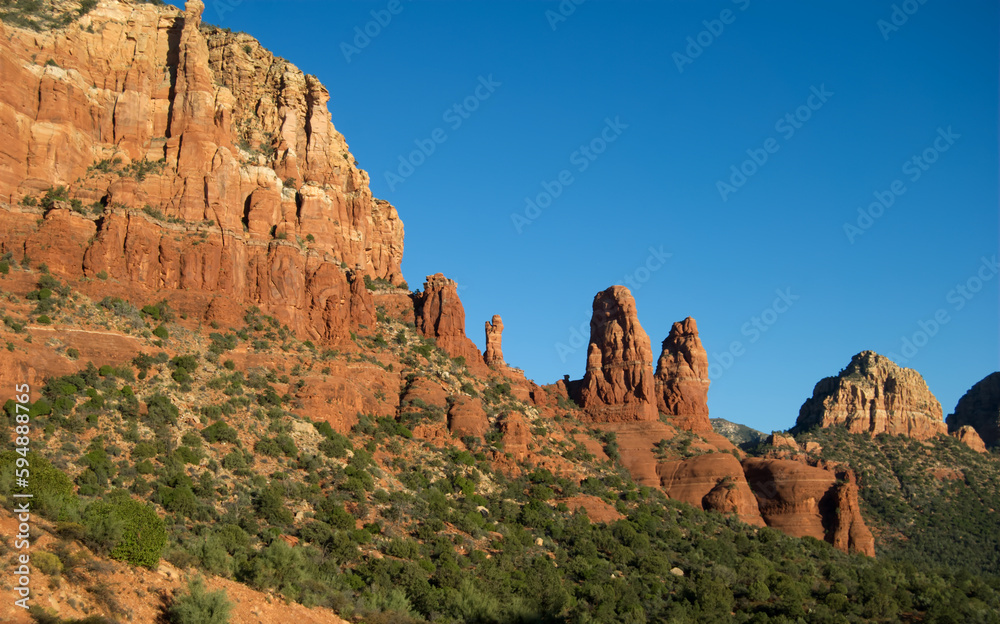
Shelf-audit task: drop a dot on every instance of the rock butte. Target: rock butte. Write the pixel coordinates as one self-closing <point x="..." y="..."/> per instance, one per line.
<point x="618" y="384"/>
<point x="873" y="395"/>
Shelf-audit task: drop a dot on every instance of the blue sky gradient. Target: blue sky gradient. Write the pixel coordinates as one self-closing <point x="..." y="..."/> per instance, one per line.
<point x="677" y="117"/>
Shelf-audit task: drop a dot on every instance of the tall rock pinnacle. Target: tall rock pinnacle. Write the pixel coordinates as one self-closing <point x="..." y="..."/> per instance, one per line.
<point x="494" y="335"/>
<point x="618" y="385"/>
<point x="682" y="378"/>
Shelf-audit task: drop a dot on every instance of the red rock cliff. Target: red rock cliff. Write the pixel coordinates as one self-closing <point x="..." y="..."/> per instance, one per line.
<point x="873" y="395"/>
<point x="143" y="106"/>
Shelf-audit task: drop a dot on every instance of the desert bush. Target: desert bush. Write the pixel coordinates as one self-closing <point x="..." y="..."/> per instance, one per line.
<point x="198" y="606"/>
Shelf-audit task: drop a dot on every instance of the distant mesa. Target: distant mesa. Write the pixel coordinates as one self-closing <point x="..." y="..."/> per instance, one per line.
<point x="873" y="395"/>
<point x="740" y="435"/>
<point x="979" y="408"/>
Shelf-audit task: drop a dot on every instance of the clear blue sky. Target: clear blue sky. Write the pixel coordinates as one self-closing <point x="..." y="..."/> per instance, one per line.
<point x="891" y="92"/>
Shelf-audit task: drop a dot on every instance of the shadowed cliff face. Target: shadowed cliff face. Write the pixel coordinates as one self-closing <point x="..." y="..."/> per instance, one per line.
<point x="163" y="129"/>
<point x="873" y="395"/>
<point x="979" y="408"/>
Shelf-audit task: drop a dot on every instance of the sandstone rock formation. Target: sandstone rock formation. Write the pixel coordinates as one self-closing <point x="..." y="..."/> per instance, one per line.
<point x="979" y="408"/>
<point x="968" y="435"/>
<point x="620" y="395"/>
<point x="467" y="418"/>
<point x="682" y="378"/>
<point x="711" y="481"/>
<point x="441" y="316"/>
<point x="850" y="533"/>
<point x="873" y="395"/>
<point x="781" y="440"/>
<point x="516" y="435"/>
<point x="249" y="191"/>
<point x="618" y="385"/>
<point x="494" y="335"/>
<point x="803" y="500"/>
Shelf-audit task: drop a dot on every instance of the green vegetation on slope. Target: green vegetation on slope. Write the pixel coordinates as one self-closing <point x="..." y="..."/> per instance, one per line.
<point x="928" y="503"/>
<point x="382" y="526"/>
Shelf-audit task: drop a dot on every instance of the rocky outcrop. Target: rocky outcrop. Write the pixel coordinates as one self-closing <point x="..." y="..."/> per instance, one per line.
<point x="803" y="500"/>
<point x="782" y="440"/>
<point x="850" y="533"/>
<point x="967" y="435"/>
<point x="682" y="378"/>
<point x="712" y="481"/>
<point x="516" y="435"/>
<point x="979" y="408"/>
<point x="467" y="418"/>
<point x="618" y="385"/>
<point x="873" y="395"/>
<point x="441" y="316"/>
<point x="620" y="394"/>
<point x="249" y="192"/>
<point x="494" y="335"/>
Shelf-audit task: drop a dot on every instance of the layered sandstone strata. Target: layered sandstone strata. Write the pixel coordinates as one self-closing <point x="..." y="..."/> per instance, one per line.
<point x="213" y="167"/>
<point x="873" y="395"/>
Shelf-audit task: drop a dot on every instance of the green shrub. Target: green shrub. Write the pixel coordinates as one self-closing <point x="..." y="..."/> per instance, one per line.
<point x="126" y="529"/>
<point x="200" y="607"/>
<point x="219" y="432"/>
<point x="47" y="563"/>
<point x="161" y="332"/>
<point x="51" y="490"/>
